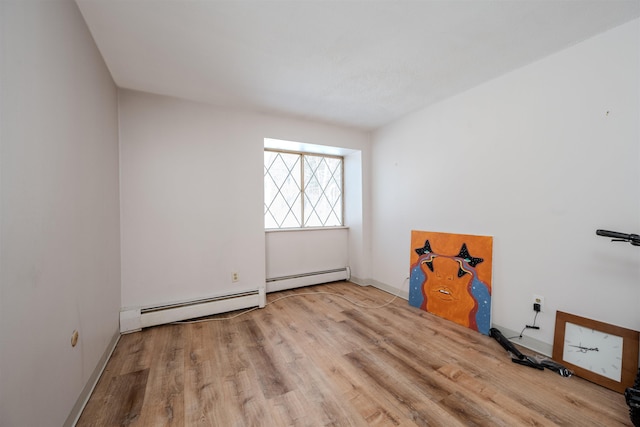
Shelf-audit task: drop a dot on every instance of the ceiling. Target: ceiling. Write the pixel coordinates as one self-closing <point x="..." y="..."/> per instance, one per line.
<point x="356" y="63"/>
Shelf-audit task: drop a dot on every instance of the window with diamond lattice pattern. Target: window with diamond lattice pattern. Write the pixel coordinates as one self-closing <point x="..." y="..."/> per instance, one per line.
<point x="302" y="190"/>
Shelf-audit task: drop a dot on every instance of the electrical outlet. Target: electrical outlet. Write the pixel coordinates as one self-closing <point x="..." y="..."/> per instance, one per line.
<point x="235" y="276"/>
<point x="538" y="299"/>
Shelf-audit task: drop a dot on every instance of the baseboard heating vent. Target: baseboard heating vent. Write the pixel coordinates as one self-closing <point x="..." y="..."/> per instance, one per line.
<point x="136" y="319"/>
<point x="307" y="279"/>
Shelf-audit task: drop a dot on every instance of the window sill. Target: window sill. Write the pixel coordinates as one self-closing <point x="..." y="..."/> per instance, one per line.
<point x="279" y="230"/>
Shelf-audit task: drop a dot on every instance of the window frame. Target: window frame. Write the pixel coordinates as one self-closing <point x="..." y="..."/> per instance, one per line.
<point x="302" y="154"/>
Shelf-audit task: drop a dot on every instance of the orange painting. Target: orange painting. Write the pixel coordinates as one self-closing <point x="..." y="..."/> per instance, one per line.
<point x="451" y="277"/>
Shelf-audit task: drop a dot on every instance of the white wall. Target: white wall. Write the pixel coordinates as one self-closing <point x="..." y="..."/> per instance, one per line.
<point x="539" y="158"/>
<point x="192" y="195"/>
<point x="306" y="251"/>
<point x="60" y="265"/>
<point x="357" y="179"/>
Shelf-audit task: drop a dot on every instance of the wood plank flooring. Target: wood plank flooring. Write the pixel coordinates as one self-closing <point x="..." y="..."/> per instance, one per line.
<point x="316" y="359"/>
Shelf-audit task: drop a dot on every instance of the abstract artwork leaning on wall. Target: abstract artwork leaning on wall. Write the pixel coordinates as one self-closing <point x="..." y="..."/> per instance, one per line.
<point x="451" y="277"/>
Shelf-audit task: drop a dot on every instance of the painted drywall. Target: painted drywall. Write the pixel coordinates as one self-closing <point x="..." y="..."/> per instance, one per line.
<point x="539" y="158"/>
<point x="192" y="195"/>
<point x="306" y="251"/>
<point x="357" y="177"/>
<point x="59" y="233"/>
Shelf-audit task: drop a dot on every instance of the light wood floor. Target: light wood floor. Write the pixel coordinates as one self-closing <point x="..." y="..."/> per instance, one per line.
<point x="318" y="360"/>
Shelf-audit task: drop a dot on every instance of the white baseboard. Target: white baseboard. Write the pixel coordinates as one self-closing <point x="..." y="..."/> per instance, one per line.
<point x="130" y="320"/>
<point x="404" y="294"/>
<point x="82" y="400"/>
<point x="538" y="346"/>
<point x="359" y="281"/>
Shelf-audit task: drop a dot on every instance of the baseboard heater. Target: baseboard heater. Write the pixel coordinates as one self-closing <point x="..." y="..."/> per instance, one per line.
<point x="132" y="320"/>
<point x="307" y="279"/>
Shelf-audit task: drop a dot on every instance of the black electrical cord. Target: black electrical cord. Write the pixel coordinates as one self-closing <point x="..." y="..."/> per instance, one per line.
<point x="532" y="326"/>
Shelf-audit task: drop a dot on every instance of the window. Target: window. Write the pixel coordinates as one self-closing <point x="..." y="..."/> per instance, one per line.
<point x="302" y="190"/>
